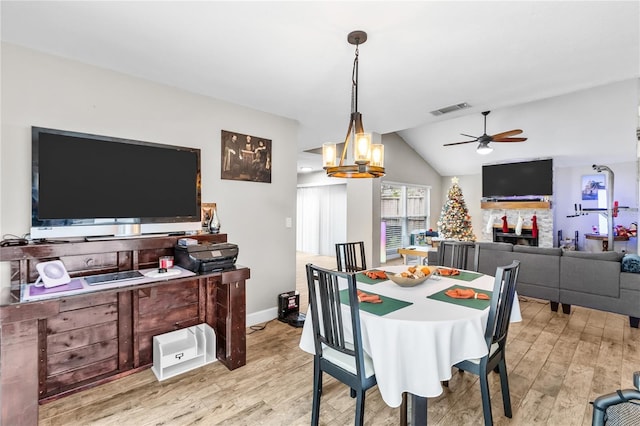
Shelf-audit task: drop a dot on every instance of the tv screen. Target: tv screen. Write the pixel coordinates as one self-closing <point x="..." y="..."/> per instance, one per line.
<point x="84" y="185"/>
<point x="528" y="178"/>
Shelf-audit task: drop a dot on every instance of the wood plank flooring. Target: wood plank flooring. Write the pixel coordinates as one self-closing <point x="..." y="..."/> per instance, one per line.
<point x="557" y="364"/>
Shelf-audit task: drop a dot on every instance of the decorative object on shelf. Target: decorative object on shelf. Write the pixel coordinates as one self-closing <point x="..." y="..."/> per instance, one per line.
<point x="368" y="157"/>
<point x="455" y="222"/>
<point x="52" y="274"/>
<point x="483" y="141"/>
<point x="206" y="211"/>
<point x="245" y="157"/>
<point x="519" y="224"/>
<point x="489" y="227"/>
<point x="505" y="225"/>
<point x="210" y="219"/>
<point x="165" y="263"/>
<point x="214" y="222"/>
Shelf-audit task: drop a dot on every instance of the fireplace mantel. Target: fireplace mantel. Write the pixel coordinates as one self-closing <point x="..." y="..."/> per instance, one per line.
<point x="497" y="205"/>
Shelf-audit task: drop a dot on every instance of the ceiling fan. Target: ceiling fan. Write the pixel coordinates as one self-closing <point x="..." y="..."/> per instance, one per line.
<point x="483" y="141"/>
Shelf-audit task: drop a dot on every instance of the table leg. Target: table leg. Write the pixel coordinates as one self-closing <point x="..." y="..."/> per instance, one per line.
<point x="418" y="410"/>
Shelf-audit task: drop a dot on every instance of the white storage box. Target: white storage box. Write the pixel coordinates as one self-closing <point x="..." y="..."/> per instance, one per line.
<point x="183" y="350"/>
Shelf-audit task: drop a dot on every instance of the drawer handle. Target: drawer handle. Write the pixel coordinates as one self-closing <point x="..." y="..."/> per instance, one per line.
<point x="180" y="355"/>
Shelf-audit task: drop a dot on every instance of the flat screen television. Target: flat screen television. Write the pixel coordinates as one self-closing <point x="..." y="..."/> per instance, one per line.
<point x="518" y="180"/>
<point x="87" y="185"/>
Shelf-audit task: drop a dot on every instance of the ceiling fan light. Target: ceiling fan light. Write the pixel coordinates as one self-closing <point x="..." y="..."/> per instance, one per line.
<point x="484" y="149"/>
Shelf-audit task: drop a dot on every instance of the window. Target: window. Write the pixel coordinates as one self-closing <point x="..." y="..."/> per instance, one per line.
<point x="404" y="208"/>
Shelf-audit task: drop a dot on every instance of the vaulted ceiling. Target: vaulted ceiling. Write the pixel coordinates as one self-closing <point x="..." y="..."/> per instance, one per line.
<point x="292" y="58"/>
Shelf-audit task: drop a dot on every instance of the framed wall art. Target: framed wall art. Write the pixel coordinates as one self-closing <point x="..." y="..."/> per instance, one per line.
<point x="591" y="184"/>
<point x="245" y="157"/>
<point x="206" y="213"/>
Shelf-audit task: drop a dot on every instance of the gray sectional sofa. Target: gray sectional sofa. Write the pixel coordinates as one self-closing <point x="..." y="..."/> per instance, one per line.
<point x="592" y="280"/>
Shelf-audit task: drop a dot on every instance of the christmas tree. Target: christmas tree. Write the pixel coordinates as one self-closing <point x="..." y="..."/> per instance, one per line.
<point x="455" y="222"/>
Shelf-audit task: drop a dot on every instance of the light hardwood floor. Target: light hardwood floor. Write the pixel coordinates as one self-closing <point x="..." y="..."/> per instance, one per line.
<point x="557" y="364"/>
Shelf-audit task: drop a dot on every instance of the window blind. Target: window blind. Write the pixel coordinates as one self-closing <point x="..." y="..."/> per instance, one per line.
<point x="404" y="209"/>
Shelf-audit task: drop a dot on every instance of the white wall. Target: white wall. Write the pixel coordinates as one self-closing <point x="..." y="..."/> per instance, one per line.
<point x="48" y="91"/>
<point x="404" y="165"/>
<point x="569" y="193"/>
<point x="608" y="113"/>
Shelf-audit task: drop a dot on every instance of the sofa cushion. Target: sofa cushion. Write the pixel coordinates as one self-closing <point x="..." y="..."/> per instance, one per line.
<point x="630" y="281"/>
<point x="492" y="255"/>
<point x="631" y="263"/>
<point x="590" y="274"/>
<point x="540" y="267"/>
<point x="611" y="256"/>
<point x="495" y="246"/>
<point x="538" y="250"/>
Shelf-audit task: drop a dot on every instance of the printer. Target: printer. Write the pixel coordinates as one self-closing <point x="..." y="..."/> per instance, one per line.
<point x="206" y="257"/>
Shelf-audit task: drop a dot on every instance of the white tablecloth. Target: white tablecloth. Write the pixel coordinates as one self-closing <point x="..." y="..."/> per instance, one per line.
<point x="414" y="348"/>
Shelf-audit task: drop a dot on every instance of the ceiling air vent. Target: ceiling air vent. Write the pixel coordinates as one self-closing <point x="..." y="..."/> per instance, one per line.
<point x="451" y="108"/>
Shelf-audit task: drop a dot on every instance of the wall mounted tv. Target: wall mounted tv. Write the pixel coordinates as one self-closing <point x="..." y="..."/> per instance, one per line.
<point x="518" y="180"/>
<point x="89" y="185"/>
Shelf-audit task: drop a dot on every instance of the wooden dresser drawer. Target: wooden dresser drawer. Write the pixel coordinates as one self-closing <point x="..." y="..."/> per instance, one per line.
<point x="81" y="342"/>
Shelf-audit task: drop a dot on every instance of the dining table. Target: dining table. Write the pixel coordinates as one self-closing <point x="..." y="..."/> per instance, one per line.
<point x="418" y="333"/>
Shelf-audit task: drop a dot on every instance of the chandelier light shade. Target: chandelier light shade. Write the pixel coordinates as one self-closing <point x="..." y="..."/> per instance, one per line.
<point x="368" y="158"/>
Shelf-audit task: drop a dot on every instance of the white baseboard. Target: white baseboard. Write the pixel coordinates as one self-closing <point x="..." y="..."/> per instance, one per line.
<point x="262" y="316"/>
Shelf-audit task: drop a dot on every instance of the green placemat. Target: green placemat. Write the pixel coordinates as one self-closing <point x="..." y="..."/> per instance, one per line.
<point x="388" y="305"/>
<point x="469" y="303"/>
<point x="464" y="276"/>
<point x="362" y="278"/>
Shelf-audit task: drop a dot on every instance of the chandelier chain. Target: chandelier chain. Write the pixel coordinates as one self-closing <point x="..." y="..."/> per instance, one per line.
<point x="354" y="82"/>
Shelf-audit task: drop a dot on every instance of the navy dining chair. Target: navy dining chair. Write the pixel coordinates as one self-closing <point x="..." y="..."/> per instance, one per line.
<point x="338" y="352"/>
<point x="350" y="257"/>
<point x="504" y="290"/>
<point x="455" y="254"/>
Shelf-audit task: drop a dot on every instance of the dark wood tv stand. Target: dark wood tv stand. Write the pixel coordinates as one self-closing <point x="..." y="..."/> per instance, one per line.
<point x="57" y="346"/>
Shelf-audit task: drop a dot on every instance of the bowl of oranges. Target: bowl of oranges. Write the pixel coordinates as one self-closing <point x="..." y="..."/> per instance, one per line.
<point x="414" y="275"/>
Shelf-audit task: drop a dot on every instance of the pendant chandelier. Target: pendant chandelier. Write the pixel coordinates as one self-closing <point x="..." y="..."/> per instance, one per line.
<point x="368" y="158"/>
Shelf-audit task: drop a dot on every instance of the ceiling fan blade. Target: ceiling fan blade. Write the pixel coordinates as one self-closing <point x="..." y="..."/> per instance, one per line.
<point x="459" y="143"/>
<point x="510" y="140"/>
<point x="469" y="136"/>
<point x="507" y="133"/>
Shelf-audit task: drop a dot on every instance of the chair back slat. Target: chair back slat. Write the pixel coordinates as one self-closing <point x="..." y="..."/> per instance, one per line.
<point x="455" y="254"/>
<point x="504" y="290"/>
<point x="350" y="257"/>
<point x="332" y="322"/>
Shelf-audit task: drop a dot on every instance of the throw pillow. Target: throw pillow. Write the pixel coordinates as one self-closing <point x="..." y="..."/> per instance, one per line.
<point x="631" y="263"/>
